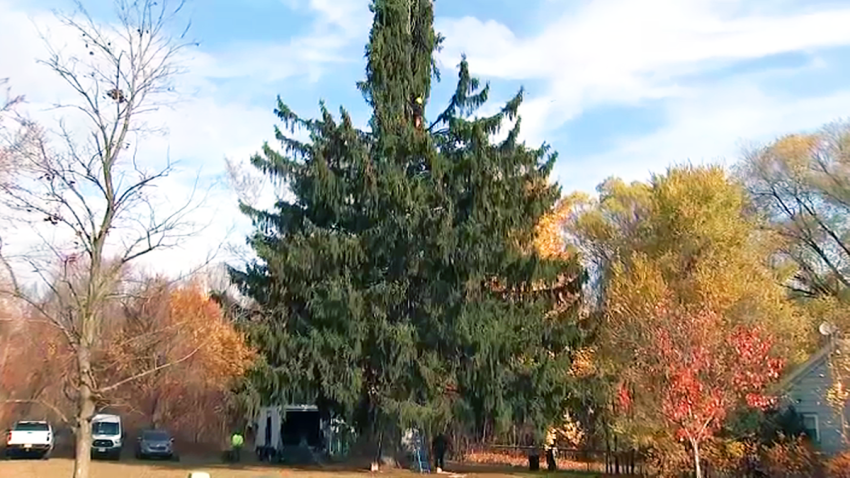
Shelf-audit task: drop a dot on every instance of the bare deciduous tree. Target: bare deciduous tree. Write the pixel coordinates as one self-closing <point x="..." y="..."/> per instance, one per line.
<point x="248" y="187"/>
<point x="13" y="132"/>
<point x="801" y="183"/>
<point x="82" y="192"/>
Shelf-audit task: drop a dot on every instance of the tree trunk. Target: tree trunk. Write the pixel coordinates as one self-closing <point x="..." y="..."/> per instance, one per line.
<point x="607" y="450"/>
<point x="697" y="467"/>
<point x="156" y="412"/>
<point x="85" y="412"/>
<point x="616" y="456"/>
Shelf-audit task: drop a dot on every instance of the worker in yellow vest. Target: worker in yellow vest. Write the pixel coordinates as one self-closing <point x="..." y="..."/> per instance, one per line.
<point x="236" y="442"/>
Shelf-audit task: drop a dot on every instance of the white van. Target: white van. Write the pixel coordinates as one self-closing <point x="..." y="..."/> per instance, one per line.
<point x="107" y="436"/>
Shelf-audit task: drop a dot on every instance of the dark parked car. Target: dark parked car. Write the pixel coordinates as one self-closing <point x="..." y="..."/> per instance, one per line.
<point x="155" y="444"/>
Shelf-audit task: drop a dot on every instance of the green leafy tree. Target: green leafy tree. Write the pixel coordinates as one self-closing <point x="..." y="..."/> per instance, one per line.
<point x="400" y="285"/>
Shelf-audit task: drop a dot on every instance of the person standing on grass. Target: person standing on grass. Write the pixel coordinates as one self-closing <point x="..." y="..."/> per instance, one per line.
<point x="236" y="442"/>
<point x="440" y="445"/>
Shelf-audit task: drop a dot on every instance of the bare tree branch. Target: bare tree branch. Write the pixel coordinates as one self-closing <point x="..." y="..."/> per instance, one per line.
<point x="150" y="371"/>
<point x="44" y="403"/>
<point x="801" y="184"/>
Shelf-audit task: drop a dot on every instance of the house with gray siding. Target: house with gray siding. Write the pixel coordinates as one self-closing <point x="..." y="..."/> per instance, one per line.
<point x="806" y="390"/>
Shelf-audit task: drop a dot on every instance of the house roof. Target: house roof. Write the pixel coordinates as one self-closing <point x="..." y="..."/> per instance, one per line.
<point x="809" y="364"/>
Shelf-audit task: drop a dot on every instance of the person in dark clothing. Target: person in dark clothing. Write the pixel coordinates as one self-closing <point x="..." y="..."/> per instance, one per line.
<point x="551" y="463"/>
<point x="440" y="446"/>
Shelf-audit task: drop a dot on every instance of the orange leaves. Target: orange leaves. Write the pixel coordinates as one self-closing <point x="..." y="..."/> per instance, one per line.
<point x="198" y="329"/>
<point x="190" y="304"/>
<point x="195" y="353"/>
<point x="222" y="353"/>
<point x="169" y="350"/>
<point x="33" y="357"/>
<point x="839" y="466"/>
<point x="549" y="234"/>
<point x="583" y="364"/>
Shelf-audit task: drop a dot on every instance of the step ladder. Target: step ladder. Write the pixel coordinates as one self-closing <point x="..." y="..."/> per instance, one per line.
<point x="422" y="462"/>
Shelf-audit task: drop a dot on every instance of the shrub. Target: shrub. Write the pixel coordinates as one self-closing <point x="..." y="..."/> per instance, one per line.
<point x="839" y="466"/>
<point x="667" y="459"/>
<point x="765" y="426"/>
<point x="727" y="457"/>
<point x="791" y="458"/>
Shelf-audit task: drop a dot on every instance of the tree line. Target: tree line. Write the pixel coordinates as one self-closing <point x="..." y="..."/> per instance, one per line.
<point x="418" y="272"/>
<point x="170" y="346"/>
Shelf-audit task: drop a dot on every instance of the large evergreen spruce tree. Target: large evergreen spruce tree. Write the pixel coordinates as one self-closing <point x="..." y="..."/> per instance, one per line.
<point x="399" y="286"/>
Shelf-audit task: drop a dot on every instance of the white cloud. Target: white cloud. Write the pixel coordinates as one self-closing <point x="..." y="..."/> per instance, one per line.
<point x="338" y="24"/>
<point x="622" y="51"/>
<point x="204" y="127"/>
<point x="352" y="16"/>
<point x="603" y="51"/>
<point x="715" y="126"/>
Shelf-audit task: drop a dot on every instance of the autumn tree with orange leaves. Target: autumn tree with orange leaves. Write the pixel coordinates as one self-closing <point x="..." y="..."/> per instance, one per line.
<point x="549" y="232"/>
<point x="176" y="331"/>
<point x="164" y="324"/>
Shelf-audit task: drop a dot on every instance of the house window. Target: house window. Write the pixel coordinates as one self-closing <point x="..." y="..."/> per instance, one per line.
<point x="810" y="424"/>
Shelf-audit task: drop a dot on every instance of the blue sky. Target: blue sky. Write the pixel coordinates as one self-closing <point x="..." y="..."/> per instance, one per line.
<point x="618" y="87"/>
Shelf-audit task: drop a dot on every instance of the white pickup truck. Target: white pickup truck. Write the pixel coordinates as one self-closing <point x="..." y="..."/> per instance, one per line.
<point x="29" y="438"/>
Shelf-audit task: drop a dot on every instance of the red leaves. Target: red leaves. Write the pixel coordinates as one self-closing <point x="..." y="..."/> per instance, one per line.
<point x="755" y="367"/>
<point x="699" y="367"/>
<point x="693" y="406"/>
<point x="624" y="396"/>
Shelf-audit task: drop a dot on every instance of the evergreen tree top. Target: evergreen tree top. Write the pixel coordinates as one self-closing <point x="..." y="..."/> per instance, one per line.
<point x="400" y="61"/>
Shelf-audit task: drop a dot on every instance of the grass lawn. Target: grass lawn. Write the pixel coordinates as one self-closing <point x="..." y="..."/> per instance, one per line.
<point x="62" y="468"/>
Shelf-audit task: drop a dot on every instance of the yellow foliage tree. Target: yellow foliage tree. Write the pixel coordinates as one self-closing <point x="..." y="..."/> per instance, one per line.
<point x="693" y="224"/>
<point x="685" y="235"/>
